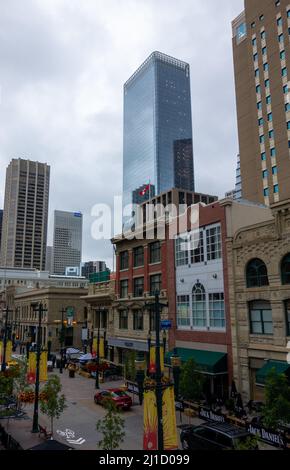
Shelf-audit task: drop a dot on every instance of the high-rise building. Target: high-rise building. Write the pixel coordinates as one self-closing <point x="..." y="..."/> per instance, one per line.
<point x="237" y="192"/>
<point x="262" y="70"/>
<point x="1" y="220"/>
<point x="158" y="153"/>
<point x="67" y="240"/>
<point x="24" y="230"/>
<point x="49" y="259"/>
<point x="92" y="267"/>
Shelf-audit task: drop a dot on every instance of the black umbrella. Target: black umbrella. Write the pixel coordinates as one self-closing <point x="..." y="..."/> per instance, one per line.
<point x="51" y="444"/>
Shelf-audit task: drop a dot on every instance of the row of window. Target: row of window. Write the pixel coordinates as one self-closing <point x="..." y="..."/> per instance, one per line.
<point x="138" y="256"/>
<point x="201" y="310"/>
<point x="198" y="246"/>
<point x="260" y="317"/>
<point x="138" y="286"/>
<point x="138" y="320"/>
<point x="257" y="273"/>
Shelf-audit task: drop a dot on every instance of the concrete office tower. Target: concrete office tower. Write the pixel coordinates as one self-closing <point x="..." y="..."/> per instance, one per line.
<point x="49" y="259"/>
<point x="91" y="267"/>
<point x="67" y="240"/>
<point x="262" y="70"/>
<point x="24" y="231"/>
<point x="1" y="221"/>
<point x="157" y="129"/>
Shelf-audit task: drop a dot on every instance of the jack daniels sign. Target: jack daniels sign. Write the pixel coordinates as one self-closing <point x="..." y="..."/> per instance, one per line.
<point x="274" y="438"/>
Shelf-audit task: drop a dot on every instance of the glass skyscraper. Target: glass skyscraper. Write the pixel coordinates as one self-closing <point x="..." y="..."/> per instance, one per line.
<point x="158" y="152"/>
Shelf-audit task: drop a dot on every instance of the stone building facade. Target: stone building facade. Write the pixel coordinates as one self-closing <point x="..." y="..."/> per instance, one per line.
<point x="259" y="293"/>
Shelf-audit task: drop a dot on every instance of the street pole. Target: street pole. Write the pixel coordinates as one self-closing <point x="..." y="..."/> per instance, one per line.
<point x="158" y="374"/>
<point x="98" y="359"/>
<point x="61" y="340"/>
<point x="3" y="365"/>
<point x="35" y="428"/>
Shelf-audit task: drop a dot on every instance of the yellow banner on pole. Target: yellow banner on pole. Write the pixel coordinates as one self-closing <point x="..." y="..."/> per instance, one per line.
<point x="1" y="351"/>
<point x="102" y="348"/>
<point x="152" y="364"/>
<point x="43" y="367"/>
<point x="95" y="347"/>
<point x="31" y="373"/>
<point x="169" y="419"/>
<point x="150" y="421"/>
<point x="8" y="355"/>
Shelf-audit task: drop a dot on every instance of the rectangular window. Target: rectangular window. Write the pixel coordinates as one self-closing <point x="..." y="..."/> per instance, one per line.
<point x="260" y="121"/>
<point x="124" y="289"/>
<point x="285" y="89"/>
<point x="276" y="188"/>
<point x="267" y="83"/>
<point x="253" y="25"/>
<point x="287" y="311"/>
<point x="281" y="38"/>
<point x="266" y="67"/>
<point x="266" y="192"/>
<point x="155" y="252"/>
<point x="288" y="125"/>
<point x="261" y="319"/>
<point x="288" y="13"/>
<point x="273" y="152"/>
<point x="263" y="156"/>
<point x="155" y="284"/>
<point x="287" y="107"/>
<point x="255" y="57"/>
<point x="262" y="139"/>
<point x="270" y="117"/>
<point x="268" y="99"/>
<point x="217" y="311"/>
<point x="265" y="174"/>
<point x="183" y="310"/>
<point x="274" y="170"/>
<point x="213" y="243"/>
<point x="279" y="21"/>
<point x="271" y="134"/>
<point x="284" y="72"/>
<point x="282" y="55"/>
<point x="257" y="73"/>
<point x="181" y="251"/>
<point x="259" y="105"/>
<point x="138" y="254"/>
<point x="258" y="89"/>
<point x="138" y="320"/>
<point x="124" y="260"/>
<point x="123" y="320"/>
<point x="254" y="41"/>
<point x="264" y="50"/>
<point x="263" y="35"/>
<point x="196" y="247"/>
<point x="138" y="286"/>
<point x="261" y="17"/>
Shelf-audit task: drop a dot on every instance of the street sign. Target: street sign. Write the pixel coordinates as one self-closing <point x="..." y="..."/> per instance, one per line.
<point x="165" y="324"/>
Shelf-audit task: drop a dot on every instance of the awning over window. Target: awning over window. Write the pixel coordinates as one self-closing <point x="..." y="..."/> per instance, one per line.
<point x="280" y="367"/>
<point x="209" y="362"/>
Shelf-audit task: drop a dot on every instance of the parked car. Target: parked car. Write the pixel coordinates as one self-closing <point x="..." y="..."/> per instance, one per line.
<point x="117" y="395"/>
<point x="213" y="436"/>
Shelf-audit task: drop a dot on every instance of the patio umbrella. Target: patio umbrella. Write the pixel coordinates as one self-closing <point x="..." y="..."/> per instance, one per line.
<point x="86" y="357"/>
<point x="71" y="351"/>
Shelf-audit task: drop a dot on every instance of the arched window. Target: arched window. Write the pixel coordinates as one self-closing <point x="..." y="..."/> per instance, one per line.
<point x="257" y="275"/>
<point x="285" y="269"/>
<point x="198" y="306"/>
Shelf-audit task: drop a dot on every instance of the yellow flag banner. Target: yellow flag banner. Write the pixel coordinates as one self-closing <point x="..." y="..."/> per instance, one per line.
<point x="31" y="373"/>
<point x="152" y="365"/>
<point x="95" y="347"/>
<point x="169" y="420"/>
<point x="150" y="421"/>
<point x="8" y="355"/>
<point x="43" y="367"/>
<point x="102" y="348"/>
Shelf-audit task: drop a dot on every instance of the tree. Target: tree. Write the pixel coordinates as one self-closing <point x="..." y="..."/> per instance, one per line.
<point x="191" y="381"/>
<point x="20" y="381"/>
<point x="277" y="400"/>
<point x="130" y="370"/>
<point x="53" y="404"/>
<point x="112" y="428"/>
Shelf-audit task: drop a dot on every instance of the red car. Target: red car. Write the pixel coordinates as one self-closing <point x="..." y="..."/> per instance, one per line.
<point x="118" y="396"/>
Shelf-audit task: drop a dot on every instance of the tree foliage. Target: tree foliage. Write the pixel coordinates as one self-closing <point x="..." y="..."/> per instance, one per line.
<point x="130" y="370"/>
<point x="112" y="428"/>
<point x="54" y="403"/>
<point x="277" y="400"/>
<point x="191" y="381"/>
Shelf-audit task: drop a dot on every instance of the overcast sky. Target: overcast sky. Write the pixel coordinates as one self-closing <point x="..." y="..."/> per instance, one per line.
<point x="62" y="68"/>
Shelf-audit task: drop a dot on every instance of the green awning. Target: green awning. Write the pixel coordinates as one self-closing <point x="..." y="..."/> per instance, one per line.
<point x="209" y="362"/>
<point x="280" y="367"/>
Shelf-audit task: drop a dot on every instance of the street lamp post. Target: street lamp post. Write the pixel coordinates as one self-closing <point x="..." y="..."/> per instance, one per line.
<point x="35" y="428"/>
<point x="98" y="358"/>
<point x="140" y="375"/>
<point x="3" y="365"/>
<point x="63" y="310"/>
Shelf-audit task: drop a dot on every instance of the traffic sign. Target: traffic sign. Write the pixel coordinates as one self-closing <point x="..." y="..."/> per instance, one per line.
<point x="165" y="324"/>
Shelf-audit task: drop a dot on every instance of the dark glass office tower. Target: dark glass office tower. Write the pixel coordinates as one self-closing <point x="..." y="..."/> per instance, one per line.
<point x="158" y="151"/>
